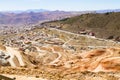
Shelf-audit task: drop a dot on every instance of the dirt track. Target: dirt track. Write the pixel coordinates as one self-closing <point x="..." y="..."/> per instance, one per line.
<point x="46" y="58"/>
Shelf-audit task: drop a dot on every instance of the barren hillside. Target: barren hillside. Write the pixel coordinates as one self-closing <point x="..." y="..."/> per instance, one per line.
<point x="11" y="18"/>
<point x="104" y="25"/>
<point x="55" y="54"/>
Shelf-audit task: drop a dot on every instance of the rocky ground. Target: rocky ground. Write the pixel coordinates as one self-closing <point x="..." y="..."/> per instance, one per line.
<point x="22" y="77"/>
<point x="54" y="54"/>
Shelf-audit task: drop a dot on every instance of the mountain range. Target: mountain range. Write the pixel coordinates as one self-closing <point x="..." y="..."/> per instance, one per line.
<point x="107" y="10"/>
<point x="27" y="11"/>
<point x="33" y="16"/>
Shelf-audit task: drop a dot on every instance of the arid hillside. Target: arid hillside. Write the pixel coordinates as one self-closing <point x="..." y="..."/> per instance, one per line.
<point x="8" y="18"/>
<point x="55" y="54"/>
<point x="104" y="25"/>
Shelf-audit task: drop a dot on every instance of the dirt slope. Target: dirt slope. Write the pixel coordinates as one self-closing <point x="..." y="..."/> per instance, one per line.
<point x="57" y="55"/>
<point x="102" y="25"/>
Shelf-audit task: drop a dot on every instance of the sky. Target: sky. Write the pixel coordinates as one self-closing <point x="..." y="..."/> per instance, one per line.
<point x="65" y="5"/>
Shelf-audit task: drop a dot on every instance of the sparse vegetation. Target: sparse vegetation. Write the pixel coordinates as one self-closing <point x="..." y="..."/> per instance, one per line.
<point x="103" y="25"/>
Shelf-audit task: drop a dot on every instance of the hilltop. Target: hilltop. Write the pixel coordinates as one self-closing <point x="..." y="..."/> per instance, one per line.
<point x="104" y="25"/>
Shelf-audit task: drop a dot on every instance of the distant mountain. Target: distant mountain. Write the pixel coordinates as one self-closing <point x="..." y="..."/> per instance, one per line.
<point x="27" y="11"/>
<point x="37" y="10"/>
<point x="108" y="10"/>
<point x="33" y="16"/>
<point x="39" y="15"/>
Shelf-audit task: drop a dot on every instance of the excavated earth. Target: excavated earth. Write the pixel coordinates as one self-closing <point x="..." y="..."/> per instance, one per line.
<point x="53" y="54"/>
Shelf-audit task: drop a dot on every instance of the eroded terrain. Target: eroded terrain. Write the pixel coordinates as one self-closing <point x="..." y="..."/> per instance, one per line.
<point x="59" y="55"/>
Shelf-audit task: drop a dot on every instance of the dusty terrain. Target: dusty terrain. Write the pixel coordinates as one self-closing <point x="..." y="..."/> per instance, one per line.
<point x="54" y="54"/>
<point x="105" y="25"/>
<point x="22" y="77"/>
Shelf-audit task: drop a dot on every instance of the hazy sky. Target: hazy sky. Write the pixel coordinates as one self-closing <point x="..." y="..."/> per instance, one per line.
<point x="67" y="5"/>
